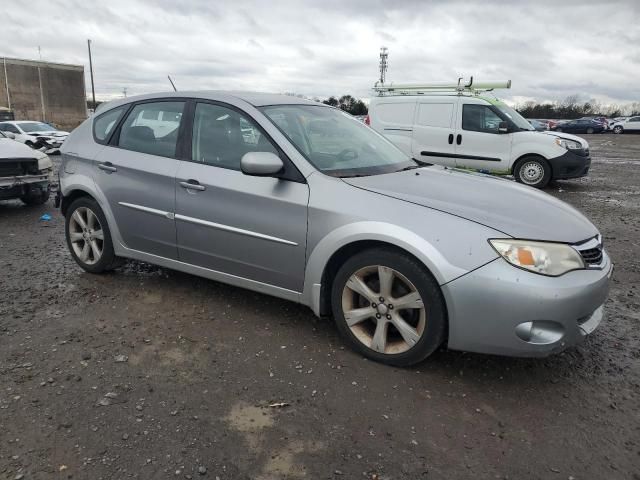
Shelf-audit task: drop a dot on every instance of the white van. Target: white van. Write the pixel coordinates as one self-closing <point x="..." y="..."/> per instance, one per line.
<point x="466" y="130"/>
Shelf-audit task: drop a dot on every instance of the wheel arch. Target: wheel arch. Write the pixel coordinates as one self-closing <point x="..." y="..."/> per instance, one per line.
<point x="69" y="198"/>
<point x="518" y="160"/>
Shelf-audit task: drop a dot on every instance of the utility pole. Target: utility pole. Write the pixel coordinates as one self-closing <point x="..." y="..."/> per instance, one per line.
<point x="124" y="92"/>
<point x="93" y="91"/>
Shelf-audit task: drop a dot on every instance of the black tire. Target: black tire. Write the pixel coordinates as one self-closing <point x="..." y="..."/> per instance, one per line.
<point x="589" y="130"/>
<point x="108" y="260"/>
<point x="435" y="324"/>
<point x="532" y="163"/>
<point x="618" y="129"/>
<point x="34" y="200"/>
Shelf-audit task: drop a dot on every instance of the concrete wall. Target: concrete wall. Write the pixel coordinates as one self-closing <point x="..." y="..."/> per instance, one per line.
<point x="51" y="92"/>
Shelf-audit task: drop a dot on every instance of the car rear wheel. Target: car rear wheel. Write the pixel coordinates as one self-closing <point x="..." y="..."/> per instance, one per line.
<point x="618" y="129"/>
<point x="389" y="307"/>
<point x="88" y="236"/>
<point x="533" y="171"/>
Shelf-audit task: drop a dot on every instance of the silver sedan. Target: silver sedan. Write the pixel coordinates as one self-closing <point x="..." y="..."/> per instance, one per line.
<point x="300" y="200"/>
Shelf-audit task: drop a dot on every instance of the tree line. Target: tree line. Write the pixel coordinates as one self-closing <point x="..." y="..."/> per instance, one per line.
<point x="571" y="108"/>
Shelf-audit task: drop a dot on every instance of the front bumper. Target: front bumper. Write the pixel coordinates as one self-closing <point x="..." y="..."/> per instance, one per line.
<point x="500" y="309"/>
<point x="573" y="164"/>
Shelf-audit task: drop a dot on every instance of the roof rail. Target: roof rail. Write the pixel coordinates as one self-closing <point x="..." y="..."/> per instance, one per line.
<point x="460" y="88"/>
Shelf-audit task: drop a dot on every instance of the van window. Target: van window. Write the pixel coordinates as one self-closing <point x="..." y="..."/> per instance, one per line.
<point x="103" y="125"/>
<point x="480" y="118"/>
<point x="152" y="128"/>
<point x="435" y="114"/>
<point x="396" y="112"/>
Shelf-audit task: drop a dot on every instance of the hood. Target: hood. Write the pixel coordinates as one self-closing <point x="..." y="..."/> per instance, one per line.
<point x="53" y="133"/>
<point x="517" y="210"/>
<point x="568" y="136"/>
<point x="11" y="149"/>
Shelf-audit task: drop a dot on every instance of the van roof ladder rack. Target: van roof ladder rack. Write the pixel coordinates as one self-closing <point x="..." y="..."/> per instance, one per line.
<point x="471" y="87"/>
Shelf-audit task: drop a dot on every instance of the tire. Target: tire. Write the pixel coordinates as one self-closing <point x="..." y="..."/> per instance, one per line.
<point x="423" y="320"/>
<point x="618" y="130"/>
<point x="34" y="200"/>
<point x="533" y="171"/>
<point x="92" y="263"/>
<point x="589" y="130"/>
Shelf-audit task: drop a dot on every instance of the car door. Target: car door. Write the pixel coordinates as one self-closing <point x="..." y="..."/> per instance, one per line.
<point x="136" y="173"/>
<point x="478" y="141"/>
<point x="633" y="124"/>
<point x="247" y="226"/>
<point x="434" y="130"/>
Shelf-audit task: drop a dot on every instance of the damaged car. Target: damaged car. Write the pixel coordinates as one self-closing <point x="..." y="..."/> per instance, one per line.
<point x="25" y="173"/>
<point x="37" y="135"/>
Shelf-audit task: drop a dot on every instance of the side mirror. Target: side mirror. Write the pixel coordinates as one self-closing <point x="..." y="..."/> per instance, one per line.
<point x="261" y="164"/>
<point x="10" y="135"/>
<point x="503" y="127"/>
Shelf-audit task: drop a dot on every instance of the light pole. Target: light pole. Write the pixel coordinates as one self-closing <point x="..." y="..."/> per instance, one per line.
<point x="93" y="91"/>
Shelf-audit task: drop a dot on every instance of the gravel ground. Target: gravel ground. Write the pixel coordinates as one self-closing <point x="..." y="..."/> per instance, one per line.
<point x="150" y="373"/>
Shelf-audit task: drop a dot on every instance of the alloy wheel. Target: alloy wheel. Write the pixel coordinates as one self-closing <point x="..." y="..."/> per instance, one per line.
<point x="86" y="235"/>
<point x="383" y="309"/>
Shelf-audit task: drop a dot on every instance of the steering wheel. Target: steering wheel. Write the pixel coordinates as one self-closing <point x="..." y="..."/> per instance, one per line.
<point x="347" y="154"/>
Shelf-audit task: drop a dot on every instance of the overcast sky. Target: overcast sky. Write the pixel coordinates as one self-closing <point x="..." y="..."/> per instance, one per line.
<point x="330" y="47"/>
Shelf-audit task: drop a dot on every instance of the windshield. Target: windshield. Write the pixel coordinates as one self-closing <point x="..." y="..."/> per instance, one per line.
<point x="514" y="116"/>
<point x="35" y="127"/>
<point x="336" y="143"/>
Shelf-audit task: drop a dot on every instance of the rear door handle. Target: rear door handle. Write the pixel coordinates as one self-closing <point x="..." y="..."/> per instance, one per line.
<point x="192" y="184"/>
<point x="459" y="139"/>
<point x="450" y="138"/>
<point x="107" y="167"/>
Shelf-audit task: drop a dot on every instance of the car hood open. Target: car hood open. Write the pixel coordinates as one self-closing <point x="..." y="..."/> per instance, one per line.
<point x="516" y="210"/>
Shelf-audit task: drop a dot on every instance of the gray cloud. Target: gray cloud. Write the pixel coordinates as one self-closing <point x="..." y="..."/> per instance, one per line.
<point x="549" y="49"/>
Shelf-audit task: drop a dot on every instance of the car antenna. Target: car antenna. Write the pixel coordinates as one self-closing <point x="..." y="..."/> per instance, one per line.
<point x="172" y="84"/>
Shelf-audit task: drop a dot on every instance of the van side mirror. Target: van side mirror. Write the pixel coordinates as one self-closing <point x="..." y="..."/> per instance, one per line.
<point x="503" y="127"/>
<point x="261" y="164"/>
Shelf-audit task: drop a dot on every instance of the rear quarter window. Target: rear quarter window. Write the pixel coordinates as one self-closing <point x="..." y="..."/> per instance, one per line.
<point x="105" y="123"/>
<point x="435" y="115"/>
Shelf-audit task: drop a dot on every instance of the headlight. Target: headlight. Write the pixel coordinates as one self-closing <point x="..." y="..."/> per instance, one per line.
<point x="552" y="259"/>
<point x="568" y="144"/>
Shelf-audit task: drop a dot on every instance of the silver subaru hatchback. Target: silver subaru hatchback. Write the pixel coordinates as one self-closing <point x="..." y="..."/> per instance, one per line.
<point x="300" y="200"/>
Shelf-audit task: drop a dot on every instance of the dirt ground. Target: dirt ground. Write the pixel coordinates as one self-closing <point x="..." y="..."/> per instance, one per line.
<point x="149" y="373"/>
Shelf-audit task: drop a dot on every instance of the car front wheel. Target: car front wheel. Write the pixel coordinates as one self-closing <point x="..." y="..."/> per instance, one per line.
<point x="389" y="307"/>
<point x="618" y="129"/>
<point x="533" y="171"/>
<point x="88" y="236"/>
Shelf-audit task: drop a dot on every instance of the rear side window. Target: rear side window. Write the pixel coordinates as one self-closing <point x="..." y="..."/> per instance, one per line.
<point x="104" y="124"/>
<point x="7" y="127"/>
<point x="152" y="128"/>
<point x="480" y="118"/>
<point x="435" y="114"/>
<point x="395" y="112"/>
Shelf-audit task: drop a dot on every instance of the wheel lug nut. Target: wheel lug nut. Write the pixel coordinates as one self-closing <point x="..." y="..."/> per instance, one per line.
<point x="374" y="305"/>
<point x="378" y="315"/>
<point x="390" y="307"/>
<point x="381" y="299"/>
<point x="388" y="317"/>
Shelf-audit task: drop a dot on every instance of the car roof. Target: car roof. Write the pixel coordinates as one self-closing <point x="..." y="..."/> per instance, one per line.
<point x="254" y="98"/>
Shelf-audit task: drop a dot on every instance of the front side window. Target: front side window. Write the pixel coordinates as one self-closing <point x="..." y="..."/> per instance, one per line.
<point x="221" y="136"/>
<point x="152" y="128"/>
<point x="336" y="143"/>
<point x="480" y="118"/>
<point x="104" y="124"/>
<point x="7" y="127"/>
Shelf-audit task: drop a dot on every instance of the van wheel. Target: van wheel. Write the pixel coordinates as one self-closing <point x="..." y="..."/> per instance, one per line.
<point x="388" y="307"/>
<point x="618" y="129"/>
<point x="88" y="236"/>
<point x="533" y="171"/>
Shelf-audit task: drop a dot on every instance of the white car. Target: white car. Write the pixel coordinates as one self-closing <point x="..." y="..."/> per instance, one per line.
<point x="477" y="132"/>
<point x="631" y="124"/>
<point x="38" y="135"/>
<point x="24" y="173"/>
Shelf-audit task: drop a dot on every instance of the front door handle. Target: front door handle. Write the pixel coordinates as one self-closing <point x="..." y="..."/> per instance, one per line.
<point x="192" y="184"/>
<point x="458" y="139"/>
<point x="450" y="138"/>
<point x="107" y="167"/>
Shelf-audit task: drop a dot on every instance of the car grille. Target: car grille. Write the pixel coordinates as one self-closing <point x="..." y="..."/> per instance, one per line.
<point x="592" y="256"/>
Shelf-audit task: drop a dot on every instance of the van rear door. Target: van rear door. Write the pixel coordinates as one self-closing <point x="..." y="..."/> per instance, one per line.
<point x="393" y="118"/>
<point x="433" y="130"/>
